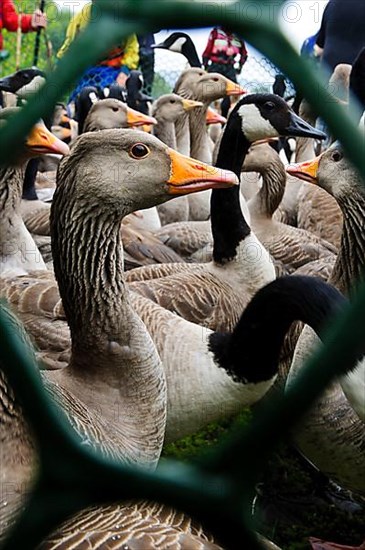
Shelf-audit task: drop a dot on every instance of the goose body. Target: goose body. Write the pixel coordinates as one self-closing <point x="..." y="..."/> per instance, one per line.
<point x="333" y="434"/>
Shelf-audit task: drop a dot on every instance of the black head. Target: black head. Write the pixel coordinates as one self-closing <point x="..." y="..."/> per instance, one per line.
<point x="180" y="42"/>
<point x="83" y="103"/>
<point x="23" y="82"/>
<point x="175" y="42"/>
<point x="268" y="115"/>
<point x="115" y="91"/>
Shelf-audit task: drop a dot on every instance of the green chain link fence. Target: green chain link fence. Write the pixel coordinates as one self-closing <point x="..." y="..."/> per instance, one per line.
<point x="215" y="491"/>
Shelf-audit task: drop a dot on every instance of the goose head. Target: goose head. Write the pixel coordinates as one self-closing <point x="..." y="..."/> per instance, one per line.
<point x="180" y="42"/>
<point x="39" y="141"/>
<point x="259" y="155"/>
<point x="333" y="172"/>
<point x="176" y="42"/>
<point x="112" y="113"/>
<point x="120" y="171"/>
<point x="24" y="82"/>
<point x="261" y="116"/>
<point x="204" y="86"/>
<point x="212" y="86"/>
<point x="87" y="97"/>
<point x="170" y="107"/>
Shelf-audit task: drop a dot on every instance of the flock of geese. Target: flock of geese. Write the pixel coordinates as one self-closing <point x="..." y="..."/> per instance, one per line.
<point x="163" y="279"/>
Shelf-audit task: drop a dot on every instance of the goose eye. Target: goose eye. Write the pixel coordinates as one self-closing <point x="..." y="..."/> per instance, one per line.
<point x="215" y="79"/>
<point x="336" y="156"/>
<point x="115" y="109"/>
<point x="172" y="101"/>
<point x="139" y="151"/>
<point x="269" y="105"/>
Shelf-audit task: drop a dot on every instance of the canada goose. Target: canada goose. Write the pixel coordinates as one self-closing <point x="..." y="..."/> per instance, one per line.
<point x="19" y="253"/>
<point x="333" y="436"/>
<point x="214" y="294"/>
<point x="180" y="42"/>
<point x="24" y="82"/>
<point x="167" y="109"/>
<point x="292" y="246"/>
<point x="87" y="97"/>
<point x="136" y="99"/>
<point x="217" y="365"/>
<point x="191" y="131"/>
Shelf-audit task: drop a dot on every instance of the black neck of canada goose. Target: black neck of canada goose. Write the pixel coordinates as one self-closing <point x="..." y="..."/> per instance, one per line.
<point x="251" y="352"/>
<point x="229" y="226"/>
<point x="181" y="42"/>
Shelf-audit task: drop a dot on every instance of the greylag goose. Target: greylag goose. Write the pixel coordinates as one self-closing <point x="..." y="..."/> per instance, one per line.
<point x="292" y="246"/>
<point x="18" y="253"/>
<point x="166" y="110"/>
<point x="333" y="434"/>
<point x="191" y="131"/>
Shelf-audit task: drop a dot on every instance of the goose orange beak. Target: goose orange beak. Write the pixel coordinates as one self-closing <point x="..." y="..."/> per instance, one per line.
<point x="189" y="104"/>
<point x="189" y="175"/>
<point x="41" y="141"/>
<point x="213" y="117"/>
<point x="135" y="118"/>
<point x="232" y="88"/>
<point x="306" y="171"/>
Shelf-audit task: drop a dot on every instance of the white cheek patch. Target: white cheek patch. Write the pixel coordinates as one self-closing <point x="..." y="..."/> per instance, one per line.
<point x="178" y="44"/>
<point x="32" y="87"/>
<point x="254" y="126"/>
<point x="93" y="97"/>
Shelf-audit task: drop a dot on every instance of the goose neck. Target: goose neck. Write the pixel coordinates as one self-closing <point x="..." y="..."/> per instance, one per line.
<point x="349" y="267"/>
<point x="268" y="199"/>
<point x="251" y="353"/>
<point x="229" y="226"/>
<point x="165" y="131"/>
<point x="88" y="264"/>
<point x="112" y="353"/>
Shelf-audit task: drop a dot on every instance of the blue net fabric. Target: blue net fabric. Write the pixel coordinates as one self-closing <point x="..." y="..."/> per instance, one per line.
<point x="101" y="77"/>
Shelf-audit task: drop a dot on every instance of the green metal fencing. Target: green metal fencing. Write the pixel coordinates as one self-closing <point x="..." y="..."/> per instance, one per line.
<point x="215" y="491"/>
